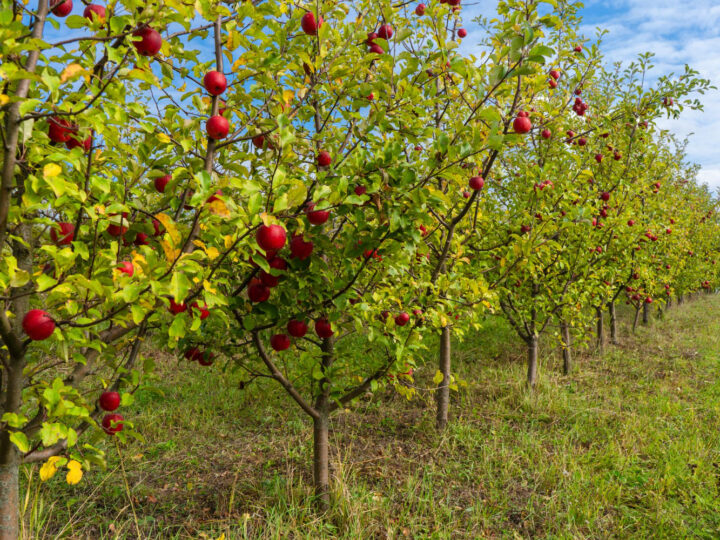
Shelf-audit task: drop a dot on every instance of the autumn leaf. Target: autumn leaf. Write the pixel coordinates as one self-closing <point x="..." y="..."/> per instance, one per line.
<point x="75" y="473"/>
<point x="49" y="468"/>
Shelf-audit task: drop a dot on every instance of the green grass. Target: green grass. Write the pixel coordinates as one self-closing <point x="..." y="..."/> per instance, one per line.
<point x="626" y="447"/>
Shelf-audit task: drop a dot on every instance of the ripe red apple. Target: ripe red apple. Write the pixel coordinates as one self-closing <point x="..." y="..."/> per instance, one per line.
<point x="476" y="183"/>
<point x="176" y="308"/>
<point x="157" y="226"/>
<point x="297" y="328"/>
<point x="59" y="130"/>
<point x="217" y="127"/>
<point x="192" y="354"/>
<point x="385" y="32"/>
<point x="522" y="124"/>
<point x="161" y="182"/>
<point x="402" y="319"/>
<point x="204" y="311"/>
<point x="598" y="158"/>
<point x="317" y="217"/>
<point x="215" y="83"/>
<point x="299" y="248"/>
<point x="280" y="342"/>
<point x="617" y="156"/>
<point x="257" y="292"/>
<point x="546" y="133"/>
<point x="269" y="280"/>
<point x="271" y="237"/>
<point x="578" y="48"/>
<point x="466" y="194"/>
<point x="61" y="8"/>
<point x="109" y="401"/>
<point x="150" y="43"/>
<point x="323" y="328"/>
<point x="112" y="423"/>
<point x="360" y="190"/>
<point x="462" y="33"/>
<point x="118" y="229"/>
<point x="67" y="233"/>
<point x="74" y="142"/>
<point x="206" y="358"/>
<point x="141" y="239"/>
<point x="323" y="158"/>
<point x="605" y="196"/>
<point x="555" y="74"/>
<point x="94" y="10"/>
<point x="552" y="83"/>
<point x="420" y="10"/>
<point x="126" y="267"/>
<point x="309" y="24"/>
<point x="258" y="141"/>
<point x="377" y="49"/>
<point x="38" y="324"/>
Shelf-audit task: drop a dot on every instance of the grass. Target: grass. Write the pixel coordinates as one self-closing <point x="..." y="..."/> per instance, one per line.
<point x="628" y="446"/>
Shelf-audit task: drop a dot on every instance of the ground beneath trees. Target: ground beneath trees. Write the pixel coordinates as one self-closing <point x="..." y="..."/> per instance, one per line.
<point x="626" y="447"/>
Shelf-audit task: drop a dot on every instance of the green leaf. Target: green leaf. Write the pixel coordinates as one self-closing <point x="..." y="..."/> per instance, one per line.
<point x="20" y="440"/>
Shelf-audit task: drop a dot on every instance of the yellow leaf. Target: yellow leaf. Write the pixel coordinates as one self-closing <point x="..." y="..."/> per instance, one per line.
<point x="51" y="170"/>
<point x="212" y="253"/>
<point x="170" y="228"/>
<point x="70" y="72"/>
<point x="219" y="208"/>
<point x="138" y="262"/>
<point x="48" y="470"/>
<point x="228" y="241"/>
<point x="170" y="252"/>
<point x="209" y="288"/>
<point x="437" y="379"/>
<point x="163" y="138"/>
<point x="288" y="96"/>
<point x="3" y="99"/>
<point x="75" y="473"/>
<point x="265" y="218"/>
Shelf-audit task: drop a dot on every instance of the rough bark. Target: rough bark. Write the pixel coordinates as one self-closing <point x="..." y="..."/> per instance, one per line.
<point x="443" y="390"/>
<point x="646" y="313"/>
<point x="566" y="350"/>
<point x="532" y="367"/>
<point x="613" y="323"/>
<point x="321" y="426"/>
<point x="636" y="319"/>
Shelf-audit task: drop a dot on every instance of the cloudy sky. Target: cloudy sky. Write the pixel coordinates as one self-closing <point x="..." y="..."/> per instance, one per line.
<point x="678" y="33"/>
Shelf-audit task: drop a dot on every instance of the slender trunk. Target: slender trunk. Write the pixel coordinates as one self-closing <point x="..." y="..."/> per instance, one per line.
<point x="668" y="304"/>
<point x="321" y="425"/>
<point x="600" y="330"/>
<point x="443" y="390"/>
<point x="646" y="313"/>
<point x="567" y="352"/>
<point x="321" y="461"/>
<point x="636" y="319"/>
<point x="680" y="300"/>
<point x="532" y="367"/>
<point x="613" y="324"/>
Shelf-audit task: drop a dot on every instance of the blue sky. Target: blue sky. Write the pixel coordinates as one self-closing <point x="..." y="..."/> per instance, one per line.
<point x="678" y="33"/>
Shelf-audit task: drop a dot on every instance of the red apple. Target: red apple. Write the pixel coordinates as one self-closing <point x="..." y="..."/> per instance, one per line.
<point x="462" y="33"/>
<point x="271" y="237"/>
<point x="74" y="142"/>
<point x="299" y="248"/>
<point x="94" y="12"/>
<point x="360" y="190"/>
<point x="402" y="319"/>
<point x="385" y="32"/>
<point x="258" y="141"/>
<point x="323" y="328"/>
<point x="217" y="127"/>
<point x="297" y="328"/>
<point x="257" y="292"/>
<point x="161" y="182"/>
<point x="59" y="130"/>
<point x="215" y="83"/>
<point x="546" y="134"/>
<point x="476" y="183"/>
<point x="206" y="358"/>
<point x="420" y="10"/>
<point x="109" y="401"/>
<point x="126" y="267"/>
<point x="141" y="239"/>
<point x="204" y="311"/>
<point x="377" y="49"/>
<point x="192" y="354"/>
<point x="150" y="43"/>
<point x="598" y="158"/>
<point x="112" y="423"/>
<point x="522" y="124"/>
<point x="280" y="342"/>
<point x="323" y="158"/>
<point x="309" y="24"/>
<point x="605" y="196"/>
<point x="555" y="74"/>
<point x="38" y="324"/>
<point x="176" y="308"/>
<point x="67" y="233"/>
<point x="317" y="217"/>
<point x="578" y="48"/>
<point x="61" y="8"/>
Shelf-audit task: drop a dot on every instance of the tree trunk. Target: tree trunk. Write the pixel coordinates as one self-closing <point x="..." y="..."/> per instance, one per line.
<point x="668" y="304"/>
<point x="613" y="324"/>
<point x="680" y="300"/>
<point x="646" y="313"/>
<point x="532" y="367"/>
<point x="600" y="330"/>
<point x="566" y="351"/>
<point x="321" y="460"/>
<point x="636" y="319"/>
<point x="443" y="390"/>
